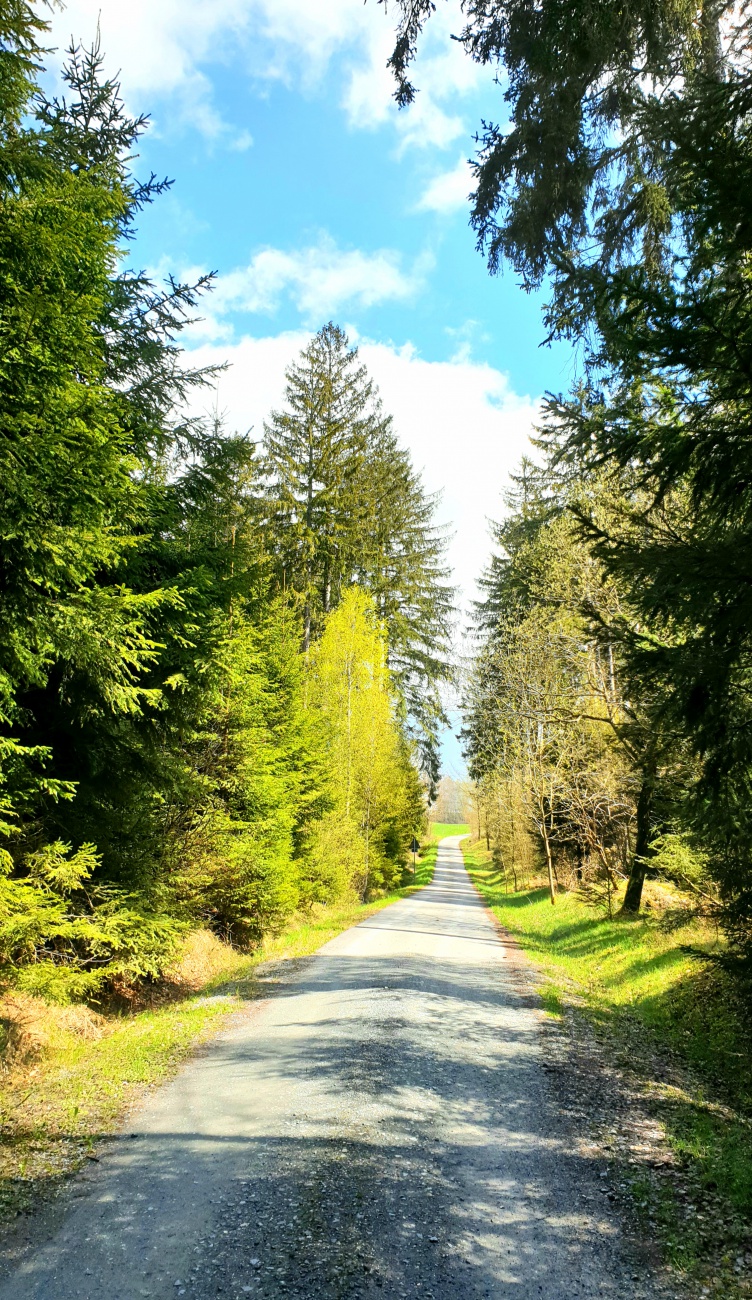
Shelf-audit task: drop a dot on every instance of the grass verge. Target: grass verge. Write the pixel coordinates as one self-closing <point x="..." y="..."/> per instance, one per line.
<point x="70" y="1074"/>
<point x="677" y="1030"/>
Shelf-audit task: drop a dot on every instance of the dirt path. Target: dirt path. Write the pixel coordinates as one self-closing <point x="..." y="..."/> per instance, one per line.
<point x="381" y="1126"/>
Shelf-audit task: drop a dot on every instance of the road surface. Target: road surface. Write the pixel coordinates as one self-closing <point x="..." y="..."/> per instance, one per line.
<point x="381" y="1125"/>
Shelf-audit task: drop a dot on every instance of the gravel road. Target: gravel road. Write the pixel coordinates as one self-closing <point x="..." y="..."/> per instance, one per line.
<point x="381" y="1125"/>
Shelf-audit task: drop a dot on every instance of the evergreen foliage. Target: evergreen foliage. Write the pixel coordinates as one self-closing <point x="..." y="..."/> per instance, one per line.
<point x="345" y="507"/>
<point x="623" y="182"/>
<point x="171" y="682"/>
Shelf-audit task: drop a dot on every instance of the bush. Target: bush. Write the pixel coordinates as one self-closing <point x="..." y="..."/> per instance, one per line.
<point x="63" y="937"/>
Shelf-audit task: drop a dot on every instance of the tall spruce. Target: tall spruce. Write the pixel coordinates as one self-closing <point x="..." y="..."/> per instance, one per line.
<point x="91" y="395"/>
<point x="346" y="506"/>
<point x="316" y="453"/>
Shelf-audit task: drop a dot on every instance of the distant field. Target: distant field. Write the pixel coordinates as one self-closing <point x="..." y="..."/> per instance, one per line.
<point x="438" y="830"/>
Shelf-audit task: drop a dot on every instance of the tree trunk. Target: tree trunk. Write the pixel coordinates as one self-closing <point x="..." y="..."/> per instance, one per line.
<point x="514" y="850"/>
<point x="307" y="612"/>
<point x="549" y="864"/>
<point x="710" y="39"/>
<point x="633" y="896"/>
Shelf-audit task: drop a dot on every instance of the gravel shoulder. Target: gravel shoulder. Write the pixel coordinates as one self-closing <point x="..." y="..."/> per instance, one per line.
<point x="383" y="1123"/>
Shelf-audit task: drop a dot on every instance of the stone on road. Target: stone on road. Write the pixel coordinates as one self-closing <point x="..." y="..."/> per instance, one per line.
<point x="380" y="1126"/>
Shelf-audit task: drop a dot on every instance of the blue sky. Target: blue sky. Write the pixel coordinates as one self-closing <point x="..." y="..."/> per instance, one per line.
<point x="300" y="183"/>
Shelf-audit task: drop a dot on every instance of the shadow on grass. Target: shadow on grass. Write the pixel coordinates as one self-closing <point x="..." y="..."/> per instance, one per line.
<point x="690" y="1050"/>
<point x="684" y="1038"/>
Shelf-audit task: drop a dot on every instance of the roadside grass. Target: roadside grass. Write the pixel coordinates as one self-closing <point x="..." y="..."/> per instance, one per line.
<point x="70" y="1074"/>
<point x="679" y="1026"/>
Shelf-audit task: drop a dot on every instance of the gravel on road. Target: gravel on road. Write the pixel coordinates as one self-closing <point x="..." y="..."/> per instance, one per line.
<point x="382" y="1124"/>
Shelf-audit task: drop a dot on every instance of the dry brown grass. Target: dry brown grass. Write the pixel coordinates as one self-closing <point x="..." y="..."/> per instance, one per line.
<point x="31" y="1027"/>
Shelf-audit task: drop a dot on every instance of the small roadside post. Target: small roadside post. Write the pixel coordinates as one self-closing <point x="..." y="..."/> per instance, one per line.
<point x="414" y="849"/>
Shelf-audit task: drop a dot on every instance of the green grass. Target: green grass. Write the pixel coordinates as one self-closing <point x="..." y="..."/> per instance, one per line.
<point x="439" y="830"/>
<point x="73" y="1092"/>
<point x="651" y="998"/>
<point x="424" y="867"/>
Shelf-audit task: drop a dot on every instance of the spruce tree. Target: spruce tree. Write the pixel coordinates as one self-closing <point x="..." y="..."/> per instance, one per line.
<point x="316" y="450"/>
<point x="162" y="764"/>
<point x="402" y="563"/>
<point x="346" y="507"/>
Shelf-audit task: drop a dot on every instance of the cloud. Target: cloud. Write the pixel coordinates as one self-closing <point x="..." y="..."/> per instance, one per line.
<point x="425" y="125"/>
<point x="166" y="50"/>
<point x="320" y="281"/>
<point x="369" y="93"/>
<point x="159" y="47"/>
<point x="467" y="430"/>
<point x="241" y="142"/>
<point x="448" y="192"/>
<point x="442" y="72"/>
<point x="465" y="427"/>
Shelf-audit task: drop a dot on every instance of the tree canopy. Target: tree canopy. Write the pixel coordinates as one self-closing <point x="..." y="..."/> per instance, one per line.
<point x="620" y="182"/>
<point x="173" y="602"/>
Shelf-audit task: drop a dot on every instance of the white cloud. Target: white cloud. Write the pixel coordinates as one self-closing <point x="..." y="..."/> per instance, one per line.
<point x="158" y="47"/>
<point x="440" y="75"/>
<point x="442" y="72"/>
<point x="425" y="125"/>
<point x="467" y="431"/>
<point x="242" y="142"/>
<point x="320" y="281"/>
<point x="465" y="427"/>
<point x="165" y="49"/>
<point x="448" y="192"/>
